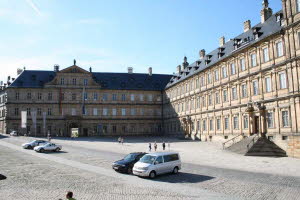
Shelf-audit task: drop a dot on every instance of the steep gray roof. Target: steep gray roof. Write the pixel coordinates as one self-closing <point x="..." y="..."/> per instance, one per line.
<point x="269" y="27"/>
<point x="114" y="81"/>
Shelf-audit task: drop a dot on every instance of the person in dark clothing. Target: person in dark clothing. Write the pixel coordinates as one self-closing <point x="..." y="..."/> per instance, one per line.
<point x="150" y="147"/>
<point x="164" y="145"/>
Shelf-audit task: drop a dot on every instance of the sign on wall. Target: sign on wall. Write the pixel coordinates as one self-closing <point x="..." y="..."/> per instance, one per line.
<point x="23" y="119"/>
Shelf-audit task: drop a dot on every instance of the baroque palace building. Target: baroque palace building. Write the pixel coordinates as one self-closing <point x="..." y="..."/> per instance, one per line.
<point x="248" y="85"/>
<point x="57" y="102"/>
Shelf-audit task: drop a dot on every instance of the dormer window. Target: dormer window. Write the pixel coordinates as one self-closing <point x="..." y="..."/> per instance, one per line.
<point x="198" y="63"/>
<point x="256" y="32"/>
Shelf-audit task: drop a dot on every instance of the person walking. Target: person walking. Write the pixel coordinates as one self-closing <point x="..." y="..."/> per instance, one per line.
<point x="164" y="145"/>
<point x="150" y="147"/>
<point x="69" y="196"/>
<point x="119" y="140"/>
<point x="155" y="146"/>
<point x="122" y="140"/>
<point x="169" y="146"/>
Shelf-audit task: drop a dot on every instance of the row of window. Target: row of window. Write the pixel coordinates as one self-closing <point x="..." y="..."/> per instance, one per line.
<point x="94" y="96"/>
<point x="208" y="99"/>
<point x="285" y="122"/>
<point x="96" y="111"/>
<point x="73" y="81"/>
<point x="215" y="75"/>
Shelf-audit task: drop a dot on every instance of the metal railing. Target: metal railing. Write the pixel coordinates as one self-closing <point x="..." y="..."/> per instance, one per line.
<point x="254" y="139"/>
<point x="233" y="140"/>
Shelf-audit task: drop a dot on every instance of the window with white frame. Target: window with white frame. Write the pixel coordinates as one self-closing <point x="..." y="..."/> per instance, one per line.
<point x="123" y="111"/>
<point x="282" y="80"/>
<point x="150" y="97"/>
<point x="95" y="111"/>
<point x="95" y="96"/>
<point x="132" y="97"/>
<point x="85" y="82"/>
<point x="232" y="68"/>
<point x="209" y="99"/>
<point x="245" y="121"/>
<point x="114" y="97"/>
<point x="235" y="122"/>
<point x="270" y="120"/>
<point x="266" y="54"/>
<point x="268" y="84"/>
<point x="62" y="81"/>
<point x="225" y="96"/>
<point x="85" y="96"/>
<point x="216" y="72"/>
<point x="255" y="87"/>
<point x="141" y="97"/>
<point x="114" y="111"/>
<point x="253" y="60"/>
<point x="104" y="111"/>
<point x="104" y="97"/>
<point x="209" y="78"/>
<point x="123" y="97"/>
<point x="285" y="118"/>
<point x="132" y="111"/>
<point x="203" y="101"/>
<point x="141" y="111"/>
<point x="224" y="72"/>
<point x="204" y="125"/>
<point x="73" y="111"/>
<point x="211" y="124"/>
<point x="234" y="93"/>
<point x="202" y="81"/>
<point x="244" y="90"/>
<point x="217" y="97"/>
<point x="242" y="64"/>
<point x="218" y="124"/>
<point x="226" y="123"/>
<point x="279" y="49"/>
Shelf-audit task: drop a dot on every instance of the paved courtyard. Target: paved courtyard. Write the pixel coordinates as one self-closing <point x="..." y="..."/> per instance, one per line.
<point x="84" y="167"/>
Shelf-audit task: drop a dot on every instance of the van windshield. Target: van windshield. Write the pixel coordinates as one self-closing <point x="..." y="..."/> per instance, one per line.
<point x="147" y="159"/>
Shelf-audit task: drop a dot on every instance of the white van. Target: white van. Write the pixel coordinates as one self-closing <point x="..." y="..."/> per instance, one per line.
<point x="153" y="164"/>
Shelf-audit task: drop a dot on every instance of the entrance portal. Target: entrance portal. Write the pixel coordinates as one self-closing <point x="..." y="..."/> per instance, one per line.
<point x="256" y="124"/>
<point x="74" y="130"/>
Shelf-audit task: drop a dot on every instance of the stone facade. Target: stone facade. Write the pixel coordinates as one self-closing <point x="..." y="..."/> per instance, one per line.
<point x="74" y="100"/>
<point x="252" y="89"/>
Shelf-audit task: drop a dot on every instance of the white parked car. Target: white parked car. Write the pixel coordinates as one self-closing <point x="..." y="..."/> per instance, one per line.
<point x="153" y="164"/>
<point x="48" y="147"/>
<point x="13" y="133"/>
<point x="34" y="143"/>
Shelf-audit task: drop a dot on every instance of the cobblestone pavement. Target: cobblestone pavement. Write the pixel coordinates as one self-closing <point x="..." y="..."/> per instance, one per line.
<point x="85" y="168"/>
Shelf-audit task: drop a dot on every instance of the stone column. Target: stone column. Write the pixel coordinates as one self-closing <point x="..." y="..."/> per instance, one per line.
<point x="263" y="123"/>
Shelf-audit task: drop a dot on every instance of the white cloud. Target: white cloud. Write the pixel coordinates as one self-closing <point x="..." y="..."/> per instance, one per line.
<point x="34" y="7"/>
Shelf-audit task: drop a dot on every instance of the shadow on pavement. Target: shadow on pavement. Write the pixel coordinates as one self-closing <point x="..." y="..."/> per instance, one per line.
<point x="2" y="177"/>
<point x="3" y="136"/>
<point x="54" y="152"/>
<point x="183" y="177"/>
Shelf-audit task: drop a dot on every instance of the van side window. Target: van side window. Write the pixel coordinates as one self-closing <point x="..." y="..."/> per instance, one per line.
<point x="159" y="160"/>
<point x="174" y="157"/>
<point x="167" y="158"/>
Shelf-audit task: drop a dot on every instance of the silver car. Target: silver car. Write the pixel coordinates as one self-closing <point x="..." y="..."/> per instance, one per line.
<point x="34" y="143"/>
<point x="153" y="164"/>
<point x="48" y="147"/>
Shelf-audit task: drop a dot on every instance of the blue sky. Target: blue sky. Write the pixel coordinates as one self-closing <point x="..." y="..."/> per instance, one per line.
<point x="111" y="35"/>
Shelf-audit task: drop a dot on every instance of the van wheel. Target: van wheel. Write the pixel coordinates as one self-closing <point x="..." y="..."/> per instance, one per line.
<point x="152" y="174"/>
<point x="42" y="150"/>
<point x="175" y="170"/>
<point x="57" y="149"/>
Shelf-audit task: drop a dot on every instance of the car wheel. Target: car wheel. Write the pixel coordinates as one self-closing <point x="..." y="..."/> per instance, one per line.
<point x="42" y="150"/>
<point x="175" y="170"/>
<point x="29" y="147"/>
<point x="57" y="149"/>
<point x="129" y="170"/>
<point x="152" y="174"/>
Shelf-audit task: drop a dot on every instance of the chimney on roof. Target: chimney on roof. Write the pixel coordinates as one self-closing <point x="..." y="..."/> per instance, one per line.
<point x="91" y="69"/>
<point x="202" y="53"/>
<point x="150" y="71"/>
<point x="247" y="25"/>
<point x="19" y="71"/>
<point x="185" y="62"/>
<point x="56" y="68"/>
<point x="222" y="41"/>
<point x="266" y="12"/>
<point x="130" y="70"/>
<point x="179" y="69"/>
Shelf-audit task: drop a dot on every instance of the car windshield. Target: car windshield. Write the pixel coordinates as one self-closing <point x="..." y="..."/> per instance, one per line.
<point x="147" y="159"/>
<point x="129" y="157"/>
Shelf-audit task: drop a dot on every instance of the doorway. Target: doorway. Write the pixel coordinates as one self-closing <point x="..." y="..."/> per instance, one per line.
<point x="85" y="132"/>
<point x="256" y="124"/>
